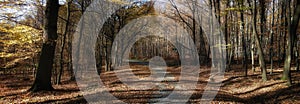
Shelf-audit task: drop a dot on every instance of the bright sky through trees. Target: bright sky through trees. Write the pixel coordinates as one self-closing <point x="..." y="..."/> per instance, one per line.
<point x="20" y="9"/>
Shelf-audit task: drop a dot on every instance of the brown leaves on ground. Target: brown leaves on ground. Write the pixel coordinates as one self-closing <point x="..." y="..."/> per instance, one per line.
<point x="235" y="88"/>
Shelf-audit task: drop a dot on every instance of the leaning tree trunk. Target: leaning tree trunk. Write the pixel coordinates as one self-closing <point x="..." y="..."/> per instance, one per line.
<point x="259" y="49"/>
<point x="292" y="29"/>
<point x="43" y="75"/>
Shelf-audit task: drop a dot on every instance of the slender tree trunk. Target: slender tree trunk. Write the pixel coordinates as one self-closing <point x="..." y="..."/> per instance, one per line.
<point x="252" y="38"/>
<point x="237" y="50"/>
<point x="285" y="25"/>
<point x="226" y="34"/>
<point x="271" y="37"/>
<point x="231" y="40"/>
<point x="211" y="32"/>
<point x="62" y="61"/>
<point x="297" y="60"/>
<point x="279" y="60"/>
<point x="43" y="75"/>
<point x="242" y="27"/>
<point x="252" y="52"/>
<point x="262" y="22"/>
<point x="259" y="49"/>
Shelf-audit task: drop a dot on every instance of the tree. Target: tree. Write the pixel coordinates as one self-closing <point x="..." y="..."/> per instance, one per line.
<point x="292" y="30"/>
<point x="271" y="37"/>
<point x="64" y="41"/>
<point x="43" y="75"/>
<point x="259" y="49"/>
<point x="111" y="27"/>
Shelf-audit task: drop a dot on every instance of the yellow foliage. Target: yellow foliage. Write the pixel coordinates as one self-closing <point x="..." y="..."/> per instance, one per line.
<point x="17" y="42"/>
<point x="19" y="34"/>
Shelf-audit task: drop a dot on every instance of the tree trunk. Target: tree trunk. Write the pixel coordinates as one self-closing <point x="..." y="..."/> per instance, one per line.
<point x="252" y="53"/>
<point x="62" y="61"/>
<point x="292" y="29"/>
<point x="297" y="60"/>
<point x="259" y="49"/>
<point x="43" y="75"/>
<point x="245" y="58"/>
<point x="252" y="38"/>
<point x="226" y="33"/>
<point x="280" y="29"/>
<point x="271" y="40"/>
<point x="262" y="22"/>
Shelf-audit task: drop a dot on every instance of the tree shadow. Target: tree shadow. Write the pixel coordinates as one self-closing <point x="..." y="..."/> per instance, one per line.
<point x="221" y="96"/>
<point x="13" y="94"/>
<point x="75" y="100"/>
<point x="66" y="90"/>
<point x="292" y="92"/>
<point x="267" y="97"/>
<point x="258" y="88"/>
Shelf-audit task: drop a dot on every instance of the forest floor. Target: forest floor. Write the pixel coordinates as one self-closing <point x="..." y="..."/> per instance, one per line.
<point x="235" y="88"/>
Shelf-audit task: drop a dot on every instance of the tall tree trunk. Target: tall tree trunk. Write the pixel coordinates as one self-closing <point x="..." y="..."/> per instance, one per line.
<point x="43" y="75"/>
<point x="245" y="64"/>
<point x="271" y="37"/>
<point x="292" y="29"/>
<point x="280" y="31"/>
<point x="285" y="25"/>
<point x="259" y="49"/>
<point x="252" y="52"/>
<point x="252" y="38"/>
<point x="262" y="21"/>
<point x="62" y="61"/>
<point x="297" y="60"/>
<point x="288" y="53"/>
<point x="226" y="33"/>
<point x="231" y="40"/>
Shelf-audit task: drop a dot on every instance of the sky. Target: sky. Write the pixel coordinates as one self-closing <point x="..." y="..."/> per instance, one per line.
<point x="21" y="11"/>
<point x="29" y="10"/>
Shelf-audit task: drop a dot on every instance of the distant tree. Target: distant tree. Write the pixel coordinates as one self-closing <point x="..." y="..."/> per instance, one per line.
<point x="112" y="26"/>
<point x="43" y="75"/>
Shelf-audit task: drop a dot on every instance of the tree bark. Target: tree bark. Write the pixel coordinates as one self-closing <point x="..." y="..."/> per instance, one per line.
<point x="43" y="75"/>
<point x="292" y="29"/>
<point x="242" y="27"/>
<point x="259" y="49"/>
<point x="271" y="37"/>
